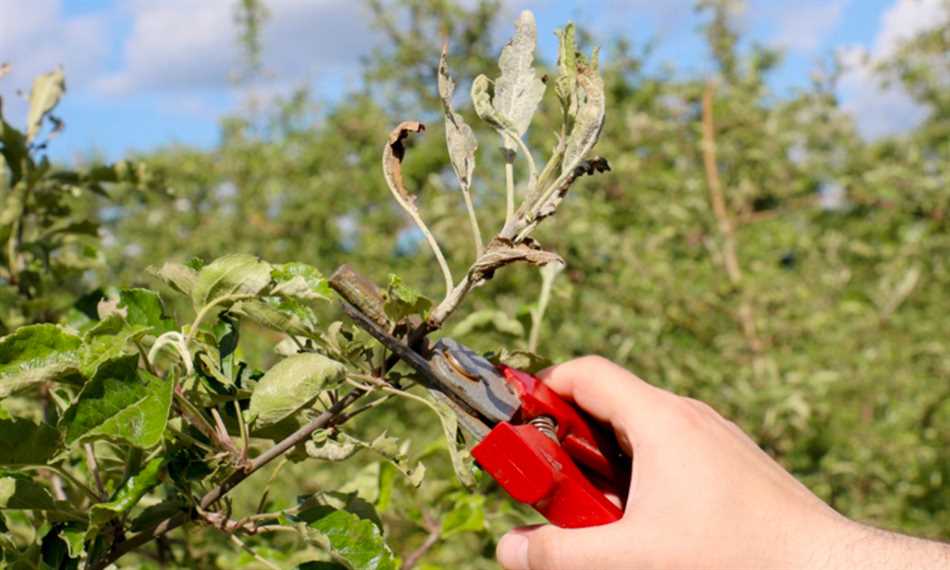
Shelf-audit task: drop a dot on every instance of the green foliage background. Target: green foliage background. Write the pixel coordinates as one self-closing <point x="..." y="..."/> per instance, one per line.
<point x="832" y="349"/>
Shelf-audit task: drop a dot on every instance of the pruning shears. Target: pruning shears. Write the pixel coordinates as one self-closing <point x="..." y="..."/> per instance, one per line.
<point x="538" y="447"/>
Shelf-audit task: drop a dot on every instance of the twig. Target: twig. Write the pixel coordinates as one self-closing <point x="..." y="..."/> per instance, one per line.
<point x="548" y="274"/>
<point x="726" y="227"/>
<point x="256" y="556"/>
<point x="94" y="469"/>
<point x="435" y="531"/>
<point x="509" y="184"/>
<point x="473" y="221"/>
<point x="223" y="436"/>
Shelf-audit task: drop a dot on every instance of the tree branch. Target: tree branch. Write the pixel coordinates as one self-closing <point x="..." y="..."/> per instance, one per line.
<point x="325" y="419"/>
<point x="727" y="231"/>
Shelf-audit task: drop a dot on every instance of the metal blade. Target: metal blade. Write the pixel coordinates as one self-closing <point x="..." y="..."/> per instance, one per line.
<point x="467" y="417"/>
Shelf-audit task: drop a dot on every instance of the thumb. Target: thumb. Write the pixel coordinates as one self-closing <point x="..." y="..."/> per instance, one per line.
<point x="551" y="548"/>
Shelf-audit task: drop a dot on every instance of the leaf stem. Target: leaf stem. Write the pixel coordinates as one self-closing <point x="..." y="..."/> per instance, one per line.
<point x="65" y="475"/>
<point x="94" y="470"/>
<point x="548" y="274"/>
<point x="473" y="220"/>
<point x="509" y="186"/>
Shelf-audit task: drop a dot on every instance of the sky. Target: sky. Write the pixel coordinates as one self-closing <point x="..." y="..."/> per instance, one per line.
<point x="142" y="74"/>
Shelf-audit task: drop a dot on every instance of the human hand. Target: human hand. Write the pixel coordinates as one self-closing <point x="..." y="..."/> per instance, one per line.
<point x="702" y="493"/>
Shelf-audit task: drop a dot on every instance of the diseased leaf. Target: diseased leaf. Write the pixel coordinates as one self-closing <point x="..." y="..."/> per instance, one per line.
<point x="482" y="102"/>
<point x="489" y="319"/>
<point x="459" y="138"/>
<point x="47" y="90"/>
<point x="565" y="85"/>
<point x="356" y="540"/>
<point x="322" y="446"/>
<point x="589" y="120"/>
<point x="177" y="276"/>
<point x="402" y="300"/>
<point x="120" y="403"/>
<point x="461" y="458"/>
<point x="291" y="385"/>
<point x="35" y="354"/>
<point x="518" y="90"/>
<point x="300" y="281"/>
<point x="501" y="252"/>
<point x="236" y="274"/>
<point x="393" y="153"/>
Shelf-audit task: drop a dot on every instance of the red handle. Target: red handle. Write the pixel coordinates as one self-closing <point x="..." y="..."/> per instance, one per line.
<point x="535" y="469"/>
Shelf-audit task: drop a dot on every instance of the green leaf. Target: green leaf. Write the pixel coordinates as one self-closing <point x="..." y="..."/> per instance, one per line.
<point x="107" y="340"/>
<point x="47" y="90"/>
<point x="402" y="300"/>
<point x="177" y="276"/>
<point x="300" y="281"/>
<point x="35" y="354"/>
<point x="489" y="319"/>
<point x="131" y="492"/>
<point x="291" y="385"/>
<point x="459" y="138"/>
<point x="144" y="308"/>
<point x="279" y="314"/>
<point x="467" y="515"/>
<point x="122" y="403"/>
<point x="236" y="274"/>
<point x="20" y="492"/>
<point x="23" y="442"/>
<point x="356" y="540"/>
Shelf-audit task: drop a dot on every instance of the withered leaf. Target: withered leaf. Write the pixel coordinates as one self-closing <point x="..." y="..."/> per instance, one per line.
<point x="393" y="153"/>
<point x="501" y="252"/>
<point x="459" y="137"/>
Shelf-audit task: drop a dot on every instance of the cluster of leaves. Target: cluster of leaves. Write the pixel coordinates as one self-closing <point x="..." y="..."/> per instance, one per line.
<point x="49" y="239"/>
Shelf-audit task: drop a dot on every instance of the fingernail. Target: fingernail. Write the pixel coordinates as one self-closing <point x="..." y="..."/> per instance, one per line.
<point x="512" y="551"/>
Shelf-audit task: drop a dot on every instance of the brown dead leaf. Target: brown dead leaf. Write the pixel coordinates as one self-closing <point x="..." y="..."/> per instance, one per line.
<point x="501" y="252"/>
<point x="393" y="154"/>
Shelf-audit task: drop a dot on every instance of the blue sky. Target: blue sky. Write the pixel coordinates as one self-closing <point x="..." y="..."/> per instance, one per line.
<point x="148" y="73"/>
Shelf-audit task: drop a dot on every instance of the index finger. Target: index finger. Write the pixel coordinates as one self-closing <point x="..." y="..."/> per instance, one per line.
<point x="605" y="390"/>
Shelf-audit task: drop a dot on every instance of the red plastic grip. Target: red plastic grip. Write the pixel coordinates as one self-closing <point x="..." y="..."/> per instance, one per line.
<point x="566" y="480"/>
<point x="535" y="470"/>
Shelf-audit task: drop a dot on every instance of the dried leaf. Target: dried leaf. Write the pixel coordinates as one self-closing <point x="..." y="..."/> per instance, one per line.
<point x="518" y="90"/>
<point x="393" y="153"/>
<point x="47" y="90"/>
<point x="459" y="138"/>
<point x="502" y="252"/>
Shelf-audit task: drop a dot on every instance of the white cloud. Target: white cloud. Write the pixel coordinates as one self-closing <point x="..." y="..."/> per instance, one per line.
<point x="36" y="37"/>
<point x="804" y="26"/>
<point x="182" y="45"/>
<point x="886" y="110"/>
